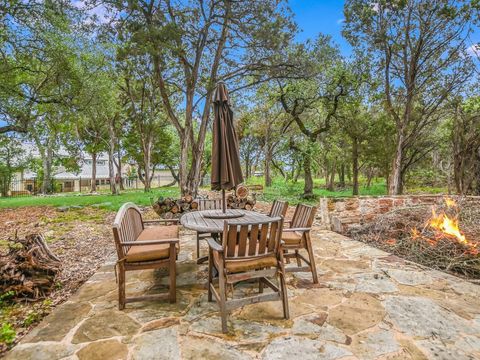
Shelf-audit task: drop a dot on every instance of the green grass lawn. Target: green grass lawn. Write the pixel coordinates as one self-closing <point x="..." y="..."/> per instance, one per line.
<point x="280" y="190"/>
<point x="292" y="191"/>
<point x="106" y="201"/>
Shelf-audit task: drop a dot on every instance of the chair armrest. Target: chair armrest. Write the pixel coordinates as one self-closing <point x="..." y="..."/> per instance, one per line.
<point x="214" y="245"/>
<point x="148" y="222"/>
<point x="151" y="242"/>
<point x="296" y="229"/>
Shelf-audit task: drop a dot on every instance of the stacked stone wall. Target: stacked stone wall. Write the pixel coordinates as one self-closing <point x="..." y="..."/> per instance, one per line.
<point x="341" y="214"/>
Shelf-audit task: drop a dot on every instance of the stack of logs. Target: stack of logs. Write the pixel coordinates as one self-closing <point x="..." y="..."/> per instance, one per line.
<point x="169" y="208"/>
<point x="28" y="270"/>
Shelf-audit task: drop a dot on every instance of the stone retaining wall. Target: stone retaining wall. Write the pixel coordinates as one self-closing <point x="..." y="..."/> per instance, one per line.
<point x="341" y="214"/>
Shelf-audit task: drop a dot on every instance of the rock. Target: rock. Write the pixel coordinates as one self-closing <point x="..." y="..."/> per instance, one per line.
<point x="103" y="350"/>
<point x="93" y="290"/>
<point x="374" y="283"/>
<point x="105" y="324"/>
<point x="438" y="350"/>
<point x="373" y="344"/>
<point x="56" y="325"/>
<point x="294" y="347"/>
<point x="160" y="324"/>
<point x="308" y="326"/>
<point x="63" y="208"/>
<point x="319" y="299"/>
<point x="346" y="266"/>
<point x="272" y="312"/>
<point x="406" y="277"/>
<point x="193" y="348"/>
<point x="359" y="312"/>
<point x="156" y="345"/>
<point x="424" y="318"/>
<point x="102" y="205"/>
<point x="40" y="351"/>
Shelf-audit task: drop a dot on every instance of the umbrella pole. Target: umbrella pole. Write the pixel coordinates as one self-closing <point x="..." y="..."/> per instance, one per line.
<point x="224" y="203"/>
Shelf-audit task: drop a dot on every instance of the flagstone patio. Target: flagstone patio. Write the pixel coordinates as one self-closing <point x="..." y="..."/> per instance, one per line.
<point x="368" y="305"/>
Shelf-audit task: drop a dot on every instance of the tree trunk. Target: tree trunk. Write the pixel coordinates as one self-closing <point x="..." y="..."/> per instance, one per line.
<point x="111" y="156"/>
<point x="267" y="167"/>
<point x="331" y="180"/>
<point x="119" y="167"/>
<point x="147" y="163"/>
<point x="341" y="176"/>
<point x="355" y="166"/>
<point x="46" y="155"/>
<point x="307" y="169"/>
<point x="395" y="179"/>
<point x="93" y="182"/>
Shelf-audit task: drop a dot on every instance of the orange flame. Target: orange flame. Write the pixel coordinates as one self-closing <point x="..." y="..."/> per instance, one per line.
<point x="445" y="224"/>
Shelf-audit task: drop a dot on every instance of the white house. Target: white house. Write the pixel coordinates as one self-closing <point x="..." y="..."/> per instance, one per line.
<point x="65" y="181"/>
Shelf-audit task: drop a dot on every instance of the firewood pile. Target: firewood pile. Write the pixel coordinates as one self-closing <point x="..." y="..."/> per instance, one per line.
<point x="169" y="208"/>
<point x="28" y="269"/>
<point x="411" y="233"/>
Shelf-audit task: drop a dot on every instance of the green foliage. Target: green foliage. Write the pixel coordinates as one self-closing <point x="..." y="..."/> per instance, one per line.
<point x="6" y="297"/>
<point x="7" y="333"/>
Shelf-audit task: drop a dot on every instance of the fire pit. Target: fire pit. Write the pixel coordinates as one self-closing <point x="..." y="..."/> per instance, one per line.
<point x="445" y="237"/>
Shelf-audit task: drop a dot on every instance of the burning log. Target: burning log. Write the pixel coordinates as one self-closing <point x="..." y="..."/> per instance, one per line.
<point x="29" y="268"/>
<point x="431" y="237"/>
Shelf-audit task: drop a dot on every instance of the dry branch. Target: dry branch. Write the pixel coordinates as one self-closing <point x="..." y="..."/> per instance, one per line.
<point x="29" y="268"/>
<point x="393" y="232"/>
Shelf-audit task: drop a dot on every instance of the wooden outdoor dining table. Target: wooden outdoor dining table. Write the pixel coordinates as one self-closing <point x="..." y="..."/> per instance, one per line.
<point x="197" y="221"/>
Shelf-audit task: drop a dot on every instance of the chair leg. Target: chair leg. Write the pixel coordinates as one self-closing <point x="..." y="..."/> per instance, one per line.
<point x="210" y="274"/>
<point x="173" y="274"/>
<point x="311" y="257"/>
<point x="260" y="285"/>
<point x="283" y="289"/>
<point x="198" y="245"/>
<point x="223" y="300"/>
<point x="299" y="261"/>
<point x="121" y="286"/>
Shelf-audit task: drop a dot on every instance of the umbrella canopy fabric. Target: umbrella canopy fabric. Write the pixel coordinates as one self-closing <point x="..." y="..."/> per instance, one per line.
<point x="226" y="170"/>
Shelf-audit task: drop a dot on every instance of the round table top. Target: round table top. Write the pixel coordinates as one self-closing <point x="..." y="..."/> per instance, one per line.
<point x="195" y="220"/>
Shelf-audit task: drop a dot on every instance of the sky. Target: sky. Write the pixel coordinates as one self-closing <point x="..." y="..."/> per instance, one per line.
<point x="326" y="16"/>
<point x="320" y="16"/>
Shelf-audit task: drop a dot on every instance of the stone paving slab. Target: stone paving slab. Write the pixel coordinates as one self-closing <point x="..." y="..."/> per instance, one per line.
<point x="368" y="305"/>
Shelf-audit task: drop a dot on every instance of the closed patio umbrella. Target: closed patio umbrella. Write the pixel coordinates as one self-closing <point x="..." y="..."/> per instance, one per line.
<point x="226" y="170"/>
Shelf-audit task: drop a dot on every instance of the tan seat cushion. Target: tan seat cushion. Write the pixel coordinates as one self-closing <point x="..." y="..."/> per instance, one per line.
<point x="235" y="266"/>
<point x="291" y="237"/>
<point x="154" y="251"/>
<point x="159" y="232"/>
<point x="149" y="252"/>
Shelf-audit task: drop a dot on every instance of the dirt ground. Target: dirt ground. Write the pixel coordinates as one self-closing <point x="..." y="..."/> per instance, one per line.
<point x="81" y="238"/>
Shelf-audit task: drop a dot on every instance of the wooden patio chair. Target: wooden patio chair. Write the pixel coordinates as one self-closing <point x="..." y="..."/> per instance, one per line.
<point x="140" y="246"/>
<point x="206" y="204"/>
<point x="279" y="208"/>
<point x="248" y="251"/>
<point x="297" y="237"/>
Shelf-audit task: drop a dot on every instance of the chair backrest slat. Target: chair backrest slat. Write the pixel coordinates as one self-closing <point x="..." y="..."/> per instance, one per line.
<point x="252" y="243"/>
<point x="231" y="241"/>
<point x="127" y="226"/>
<point x="279" y="208"/>
<point x="209" y="204"/>
<point x="242" y="240"/>
<point x="304" y="216"/>
<point x="257" y="239"/>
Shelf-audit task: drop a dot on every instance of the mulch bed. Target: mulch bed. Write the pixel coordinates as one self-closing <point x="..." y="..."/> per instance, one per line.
<point x="80" y="238"/>
<point x="406" y="232"/>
